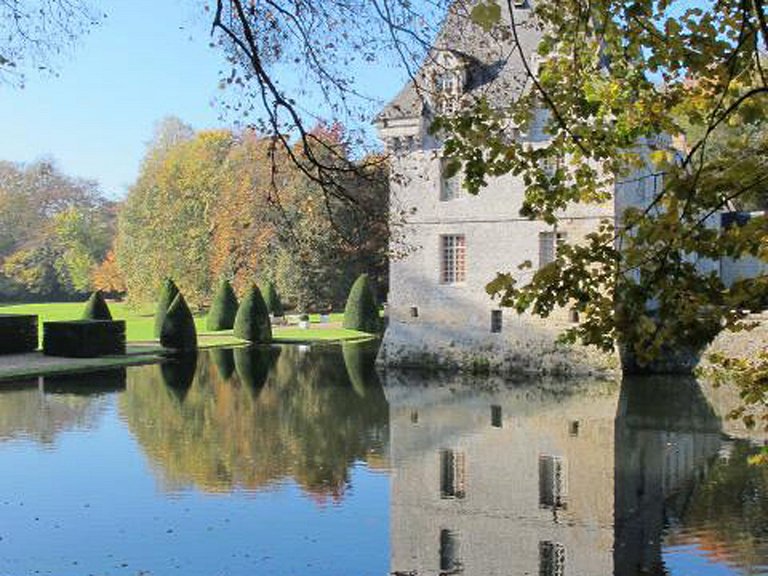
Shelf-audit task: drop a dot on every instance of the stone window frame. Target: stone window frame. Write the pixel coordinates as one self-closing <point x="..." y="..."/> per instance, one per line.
<point x="549" y="242"/>
<point x="450" y="188"/>
<point x="453" y="259"/>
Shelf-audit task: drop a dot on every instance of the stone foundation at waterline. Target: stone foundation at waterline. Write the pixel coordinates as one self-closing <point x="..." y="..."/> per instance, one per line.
<point x="523" y="348"/>
<point x="527" y="347"/>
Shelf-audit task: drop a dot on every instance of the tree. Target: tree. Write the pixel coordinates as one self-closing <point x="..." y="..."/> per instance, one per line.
<point x="34" y="32"/>
<point x="361" y="312"/>
<point x="224" y="308"/>
<point x="54" y="230"/>
<point x="205" y="206"/>
<point x="178" y="332"/>
<point x="165" y="226"/>
<point x="168" y="294"/>
<point x="252" y="320"/>
<point x="96" y="308"/>
<point x="272" y="299"/>
<point x="108" y="277"/>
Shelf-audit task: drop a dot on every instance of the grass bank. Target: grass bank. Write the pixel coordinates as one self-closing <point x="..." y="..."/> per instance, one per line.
<point x="142" y="346"/>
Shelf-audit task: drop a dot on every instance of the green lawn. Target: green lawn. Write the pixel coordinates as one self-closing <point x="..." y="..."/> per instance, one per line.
<point x="140" y="324"/>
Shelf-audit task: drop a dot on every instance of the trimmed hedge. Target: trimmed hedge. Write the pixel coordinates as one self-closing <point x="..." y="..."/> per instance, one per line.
<point x="179" y="333"/>
<point x="252" y="320"/>
<point x="96" y="308"/>
<point x="18" y="333"/>
<point x="361" y="312"/>
<point x="223" y="308"/>
<point x="84" y="338"/>
<point x="167" y="294"/>
<point x="272" y="299"/>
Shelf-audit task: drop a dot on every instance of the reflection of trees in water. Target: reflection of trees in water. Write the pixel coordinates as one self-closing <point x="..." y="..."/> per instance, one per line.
<point x="292" y="414"/>
<point x="66" y="402"/>
<point x="727" y="512"/>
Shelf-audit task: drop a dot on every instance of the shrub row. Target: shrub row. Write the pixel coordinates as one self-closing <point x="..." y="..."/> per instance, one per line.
<point x="18" y="333"/>
<point x="84" y="338"/>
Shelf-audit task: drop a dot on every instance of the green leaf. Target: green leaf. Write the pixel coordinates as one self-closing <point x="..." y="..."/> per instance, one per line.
<point x="486" y="15"/>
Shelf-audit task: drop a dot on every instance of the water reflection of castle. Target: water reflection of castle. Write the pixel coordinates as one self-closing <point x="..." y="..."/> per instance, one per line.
<point x="541" y="481"/>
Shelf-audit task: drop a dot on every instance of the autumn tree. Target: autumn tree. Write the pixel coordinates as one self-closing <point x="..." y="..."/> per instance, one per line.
<point x="55" y="230"/>
<point x="166" y="222"/>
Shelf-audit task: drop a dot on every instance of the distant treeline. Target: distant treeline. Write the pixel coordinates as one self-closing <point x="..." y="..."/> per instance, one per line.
<point x="206" y="205"/>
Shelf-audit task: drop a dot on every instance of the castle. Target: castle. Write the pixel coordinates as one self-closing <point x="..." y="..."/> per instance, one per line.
<point x="453" y="243"/>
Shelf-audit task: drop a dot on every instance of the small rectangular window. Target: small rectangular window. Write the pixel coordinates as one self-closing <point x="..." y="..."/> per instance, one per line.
<point x="452" y="474"/>
<point x="496" y="420"/>
<point x="496" y="318"/>
<point x="450" y="187"/>
<point x="453" y="259"/>
<point x="414" y="311"/>
<point x="548" y="245"/>
<point x="573" y="428"/>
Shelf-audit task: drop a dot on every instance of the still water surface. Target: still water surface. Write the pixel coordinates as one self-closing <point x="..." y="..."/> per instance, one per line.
<point x="300" y="461"/>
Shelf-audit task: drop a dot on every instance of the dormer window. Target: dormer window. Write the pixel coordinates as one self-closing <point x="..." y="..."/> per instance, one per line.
<point x="448" y="84"/>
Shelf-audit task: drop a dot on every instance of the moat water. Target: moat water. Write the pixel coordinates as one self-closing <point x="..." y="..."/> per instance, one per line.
<point x="305" y="461"/>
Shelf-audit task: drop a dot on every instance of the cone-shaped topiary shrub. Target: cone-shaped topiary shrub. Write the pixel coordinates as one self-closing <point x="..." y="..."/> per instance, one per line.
<point x="223" y="308"/>
<point x="179" y="331"/>
<point x="272" y="298"/>
<point x="361" y="312"/>
<point x="252" y="321"/>
<point x="96" y="308"/>
<point x="167" y="294"/>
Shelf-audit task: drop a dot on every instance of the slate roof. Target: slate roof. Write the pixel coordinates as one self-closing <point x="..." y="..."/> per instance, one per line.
<point x="493" y="65"/>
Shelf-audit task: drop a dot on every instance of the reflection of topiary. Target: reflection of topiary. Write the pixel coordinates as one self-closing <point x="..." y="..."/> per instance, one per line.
<point x="252" y="320"/>
<point x="178" y="332"/>
<point x="253" y="363"/>
<point x="361" y="312"/>
<point x="224" y="361"/>
<point x="360" y="361"/>
<point x="223" y="309"/>
<point x="179" y="373"/>
<point x="96" y="308"/>
<point x="167" y="294"/>
<point x="272" y="299"/>
<point x="305" y="423"/>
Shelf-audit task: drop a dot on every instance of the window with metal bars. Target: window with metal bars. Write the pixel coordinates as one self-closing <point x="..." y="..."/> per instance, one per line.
<point x="453" y="255"/>
<point x="496" y="318"/>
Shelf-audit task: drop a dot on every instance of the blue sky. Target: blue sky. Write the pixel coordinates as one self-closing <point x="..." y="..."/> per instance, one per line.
<point x="149" y="59"/>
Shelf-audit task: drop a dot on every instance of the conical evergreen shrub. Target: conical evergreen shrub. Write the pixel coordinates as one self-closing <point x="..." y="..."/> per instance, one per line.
<point x="96" y="308"/>
<point x="252" y="320"/>
<point x="223" y="308"/>
<point x="167" y="294"/>
<point x="361" y="312"/>
<point x="272" y="298"/>
<point x="179" y="333"/>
